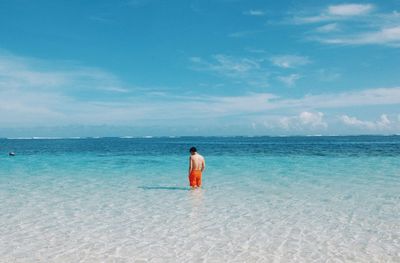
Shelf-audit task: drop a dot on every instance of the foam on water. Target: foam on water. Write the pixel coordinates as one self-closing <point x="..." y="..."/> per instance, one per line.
<point x="107" y="205"/>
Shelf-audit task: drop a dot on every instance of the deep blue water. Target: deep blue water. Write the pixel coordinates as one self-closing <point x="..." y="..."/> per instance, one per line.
<point x="267" y="146"/>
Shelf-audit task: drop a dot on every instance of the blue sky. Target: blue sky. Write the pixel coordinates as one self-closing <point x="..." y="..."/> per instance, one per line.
<point x="222" y="67"/>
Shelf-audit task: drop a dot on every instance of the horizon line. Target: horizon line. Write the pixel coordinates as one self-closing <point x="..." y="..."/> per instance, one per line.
<point x="191" y="136"/>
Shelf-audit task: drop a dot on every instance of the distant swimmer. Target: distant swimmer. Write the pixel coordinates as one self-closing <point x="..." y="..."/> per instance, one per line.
<point x="196" y="168"/>
<point x="11" y="153"/>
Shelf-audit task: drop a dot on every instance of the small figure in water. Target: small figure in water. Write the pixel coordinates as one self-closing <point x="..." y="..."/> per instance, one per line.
<point x="11" y="153"/>
<point x="196" y="167"/>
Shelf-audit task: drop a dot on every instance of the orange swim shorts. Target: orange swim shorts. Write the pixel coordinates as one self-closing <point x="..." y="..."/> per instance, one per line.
<point x="195" y="178"/>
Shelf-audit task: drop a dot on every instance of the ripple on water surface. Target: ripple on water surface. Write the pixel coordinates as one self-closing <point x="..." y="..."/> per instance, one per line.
<point x="82" y="207"/>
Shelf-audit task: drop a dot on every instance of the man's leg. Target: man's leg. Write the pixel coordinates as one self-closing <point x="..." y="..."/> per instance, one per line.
<point x="198" y="180"/>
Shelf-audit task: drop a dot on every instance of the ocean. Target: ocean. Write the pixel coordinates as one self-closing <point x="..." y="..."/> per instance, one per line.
<point x="264" y="199"/>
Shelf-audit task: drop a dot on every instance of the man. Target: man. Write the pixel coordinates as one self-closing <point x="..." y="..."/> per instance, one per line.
<point x="196" y="167"/>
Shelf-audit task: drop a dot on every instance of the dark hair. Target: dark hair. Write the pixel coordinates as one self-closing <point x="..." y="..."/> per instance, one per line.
<point x="193" y="150"/>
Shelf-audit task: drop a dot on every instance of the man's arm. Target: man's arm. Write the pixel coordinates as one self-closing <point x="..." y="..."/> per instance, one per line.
<point x="203" y="165"/>
<point x="190" y="164"/>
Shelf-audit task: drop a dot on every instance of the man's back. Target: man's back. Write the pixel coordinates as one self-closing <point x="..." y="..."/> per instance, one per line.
<point x="197" y="162"/>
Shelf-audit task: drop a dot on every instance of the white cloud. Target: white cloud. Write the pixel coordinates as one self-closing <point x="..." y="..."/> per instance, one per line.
<point x="381" y="124"/>
<point x="384" y="121"/>
<point x="386" y="36"/>
<point x="328" y="28"/>
<point x="289" y="80"/>
<point x="255" y="12"/>
<point x="247" y="70"/>
<point x="305" y="120"/>
<point x="313" y="119"/>
<point x="27" y="73"/>
<point x="25" y="101"/>
<point x="46" y="99"/>
<point x="290" y="61"/>
<point x="350" y="9"/>
<point x="250" y="103"/>
<point x="232" y="65"/>
<point x="265" y="102"/>
<point x="387" y="19"/>
<point x="299" y="20"/>
<point x="353" y="121"/>
<point x="39" y="92"/>
<point x="335" y="13"/>
<point x="16" y="71"/>
<point x="367" y="97"/>
<point x="29" y="105"/>
<point x="374" y="29"/>
<point x="226" y="65"/>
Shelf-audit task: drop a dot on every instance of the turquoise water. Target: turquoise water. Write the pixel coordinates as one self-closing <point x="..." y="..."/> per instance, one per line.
<point x="265" y="199"/>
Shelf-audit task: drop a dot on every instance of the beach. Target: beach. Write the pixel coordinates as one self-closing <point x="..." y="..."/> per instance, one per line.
<point x="264" y="199"/>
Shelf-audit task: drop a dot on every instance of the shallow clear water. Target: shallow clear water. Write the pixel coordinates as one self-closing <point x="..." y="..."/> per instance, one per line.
<point x="265" y="199"/>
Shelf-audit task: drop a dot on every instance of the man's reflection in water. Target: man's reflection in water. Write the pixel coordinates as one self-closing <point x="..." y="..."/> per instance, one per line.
<point x="196" y="198"/>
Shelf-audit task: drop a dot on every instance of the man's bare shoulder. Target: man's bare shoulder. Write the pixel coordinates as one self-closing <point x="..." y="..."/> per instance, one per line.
<point x="196" y="157"/>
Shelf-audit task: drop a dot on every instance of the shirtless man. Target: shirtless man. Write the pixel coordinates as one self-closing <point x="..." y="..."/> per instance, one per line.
<point x="196" y="167"/>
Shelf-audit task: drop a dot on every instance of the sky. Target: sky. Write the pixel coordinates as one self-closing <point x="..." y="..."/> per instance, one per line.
<point x="199" y="68"/>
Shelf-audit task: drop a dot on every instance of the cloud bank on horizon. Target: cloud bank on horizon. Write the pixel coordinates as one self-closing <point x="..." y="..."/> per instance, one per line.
<point x="192" y="68"/>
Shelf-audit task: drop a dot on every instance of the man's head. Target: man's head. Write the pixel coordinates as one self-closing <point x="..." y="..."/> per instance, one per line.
<point x="193" y="150"/>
